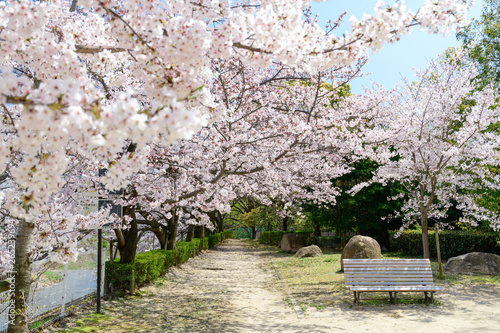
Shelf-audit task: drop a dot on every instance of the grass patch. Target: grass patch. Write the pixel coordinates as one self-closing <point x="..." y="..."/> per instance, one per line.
<point x="41" y="322"/>
<point x="90" y="323"/>
<point x="52" y="277"/>
<point x="319" y="282"/>
<point x="312" y="281"/>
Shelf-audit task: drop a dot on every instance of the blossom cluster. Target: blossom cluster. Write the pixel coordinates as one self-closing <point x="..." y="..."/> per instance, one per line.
<point x="115" y="84"/>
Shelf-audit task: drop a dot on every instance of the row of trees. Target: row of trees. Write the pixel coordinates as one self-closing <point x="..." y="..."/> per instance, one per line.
<point x="192" y="106"/>
<point x="439" y="141"/>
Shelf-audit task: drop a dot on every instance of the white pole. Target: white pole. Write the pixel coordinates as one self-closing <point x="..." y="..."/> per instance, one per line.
<point x="65" y="283"/>
<point x="103" y="267"/>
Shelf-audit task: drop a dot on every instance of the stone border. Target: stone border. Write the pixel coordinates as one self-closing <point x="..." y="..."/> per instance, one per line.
<point x="300" y="313"/>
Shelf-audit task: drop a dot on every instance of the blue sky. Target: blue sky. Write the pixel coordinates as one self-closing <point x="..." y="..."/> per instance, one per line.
<point x="394" y="61"/>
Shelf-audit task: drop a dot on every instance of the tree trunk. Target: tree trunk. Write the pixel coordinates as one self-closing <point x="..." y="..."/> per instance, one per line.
<point x="161" y="233"/>
<point x="199" y="231"/>
<point x="285" y="224"/>
<point x="173" y="225"/>
<point x="130" y="235"/>
<point x="317" y="229"/>
<point x="217" y="220"/>
<point x="254" y="233"/>
<point x="190" y="233"/>
<point x="220" y="222"/>
<point x="425" y="235"/>
<point x="24" y="245"/>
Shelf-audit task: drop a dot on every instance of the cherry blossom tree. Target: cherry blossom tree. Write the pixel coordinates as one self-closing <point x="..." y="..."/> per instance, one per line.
<point x="438" y="128"/>
<point x="92" y="78"/>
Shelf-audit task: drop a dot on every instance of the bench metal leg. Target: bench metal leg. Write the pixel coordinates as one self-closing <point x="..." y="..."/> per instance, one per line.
<point x="356" y="297"/>
<point x="395" y="297"/>
<point x="427" y="298"/>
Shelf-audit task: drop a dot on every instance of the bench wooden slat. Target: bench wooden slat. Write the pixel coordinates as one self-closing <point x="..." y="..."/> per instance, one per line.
<point x="370" y="283"/>
<point x="383" y="271"/>
<point x="389" y="275"/>
<point x="383" y="276"/>
<point x="387" y="280"/>
<point x="382" y="265"/>
<point x="386" y="261"/>
<point x="398" y="288"/>
<point x="366" y="271"/>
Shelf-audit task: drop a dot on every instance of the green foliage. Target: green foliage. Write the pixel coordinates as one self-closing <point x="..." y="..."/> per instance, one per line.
<point x="204" y="243"/>
<point x="118" y="275"/>
<point x="261" y="216"/>
<point x="186" y="251"/>
<point x="52" y="276"/>
<point x="214" y="240"/>
<point x="230" y="234"/>
<point x="362" y="211"/>
<point x="331" y="242"/>
<point x="452" y="242"/>
<point x="272" y="237"/>
<point x="481" y="39"/>
<point x="149" y="266"/>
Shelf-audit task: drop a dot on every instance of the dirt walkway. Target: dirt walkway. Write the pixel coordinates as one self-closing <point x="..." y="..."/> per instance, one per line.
<point x="234" y="288"/>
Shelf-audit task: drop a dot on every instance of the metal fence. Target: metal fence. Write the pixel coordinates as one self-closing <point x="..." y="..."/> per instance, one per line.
<point x="53" y="301"/>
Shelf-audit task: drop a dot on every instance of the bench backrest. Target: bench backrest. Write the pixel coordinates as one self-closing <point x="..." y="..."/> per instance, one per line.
<point x="384" y="272"/>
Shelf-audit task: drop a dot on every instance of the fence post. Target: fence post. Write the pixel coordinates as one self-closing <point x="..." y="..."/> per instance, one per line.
<point x="103" y="273"/>
<point x="132" y="282"/>
<point x="439" y="254"/>
<point x="65" y="284"/>
<point x="99" y="269"/>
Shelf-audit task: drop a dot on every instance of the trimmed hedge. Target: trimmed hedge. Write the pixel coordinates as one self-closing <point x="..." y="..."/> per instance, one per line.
<point x="214" y="240"/>
<point x="230" y="234"/>
<point x="331" y="242"/>
<point x="272" y="237"/>
<point x="150" y="265"/>
<point x="452" y="242"/>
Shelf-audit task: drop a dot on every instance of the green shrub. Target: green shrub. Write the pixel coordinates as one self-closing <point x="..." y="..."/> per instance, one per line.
<point x="230" y="234"/>
<point x="170" y="256"/>
<point x="452" y="242"/>
<point x="204" y="243"/>
<point x="196" y="246"/>
<point x="214" y="240"/>
<point x="118" y="275"/>
<point x="148" y="266"/>
<point x="272" y="237"/>
<point x="331" y="242"/>
<point x="308" y="236"/>
<point x="186" y="251"/>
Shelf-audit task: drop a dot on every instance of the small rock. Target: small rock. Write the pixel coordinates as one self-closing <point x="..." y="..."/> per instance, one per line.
<point x="309" y="251"/>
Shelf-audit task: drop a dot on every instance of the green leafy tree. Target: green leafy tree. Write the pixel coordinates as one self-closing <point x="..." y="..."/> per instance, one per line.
<point x="362" y="212"/>
<point x="482" y="41"/>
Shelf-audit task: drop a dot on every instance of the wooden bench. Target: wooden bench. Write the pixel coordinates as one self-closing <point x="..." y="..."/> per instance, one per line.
<point x="389" y="275"/>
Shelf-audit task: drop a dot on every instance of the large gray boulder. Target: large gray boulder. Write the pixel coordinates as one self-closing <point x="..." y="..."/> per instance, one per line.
<point x="361" y="247"/>
<point x="292" y="242"/>
<point x="309" y="251"/>
<point x="474" y="262"/>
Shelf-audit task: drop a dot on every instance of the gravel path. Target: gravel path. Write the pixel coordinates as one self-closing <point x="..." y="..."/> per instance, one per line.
<point x="234" y="288"/>
<point x="253" y="303"/>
